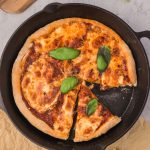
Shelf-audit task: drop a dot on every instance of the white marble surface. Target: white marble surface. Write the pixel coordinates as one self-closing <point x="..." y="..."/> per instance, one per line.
<point x="135" y="12"/>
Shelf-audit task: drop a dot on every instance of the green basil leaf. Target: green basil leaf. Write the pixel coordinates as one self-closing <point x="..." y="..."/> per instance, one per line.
<point x="91" y="106"/>
<point x="101" y="63"/>
<point x="68" y="84"/>
<point x="105" y="52"/>
<point x="103" y="58"/>
<point x="64" y="53"/>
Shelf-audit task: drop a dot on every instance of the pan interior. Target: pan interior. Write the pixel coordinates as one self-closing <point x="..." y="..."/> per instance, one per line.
<point x="116" y="99"/>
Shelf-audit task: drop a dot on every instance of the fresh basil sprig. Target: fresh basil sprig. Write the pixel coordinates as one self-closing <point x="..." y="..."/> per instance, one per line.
<point x="64" y="53"/>
<point x="68" y="84"/>
<point x="103" y="58"/>
<point x="91" y="106"/>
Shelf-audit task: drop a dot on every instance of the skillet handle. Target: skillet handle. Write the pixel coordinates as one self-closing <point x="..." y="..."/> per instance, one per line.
<point x="143" y="34"/>
<point x="52" y="7"/>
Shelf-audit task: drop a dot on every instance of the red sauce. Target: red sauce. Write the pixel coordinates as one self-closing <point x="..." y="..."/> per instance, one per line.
<point x="49" y="116"/>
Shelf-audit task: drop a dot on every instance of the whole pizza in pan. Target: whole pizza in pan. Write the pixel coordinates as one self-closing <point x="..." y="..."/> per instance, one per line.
<point x="51" y="70"/>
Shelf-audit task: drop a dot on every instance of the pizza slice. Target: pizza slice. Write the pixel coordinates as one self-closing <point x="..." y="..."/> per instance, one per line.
<point x="36" y="87"/>
<point x="93" y="119"/>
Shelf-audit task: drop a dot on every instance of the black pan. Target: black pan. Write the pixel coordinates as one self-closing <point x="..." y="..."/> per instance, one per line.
<point x="126" y="102"/>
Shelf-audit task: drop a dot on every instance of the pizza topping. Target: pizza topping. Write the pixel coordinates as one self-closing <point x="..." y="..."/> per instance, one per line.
<point x="106" y="115"/>
<point x="32" y="56"/>
<point x="58" y="41"/>
<point x="68" y="84"/>
<point x="75" y="70"/>
<point x="26" y="82"/>
<point x="115" y="52"/>
<point x="99" y="41"/>
<point x="91" y="107"/>
<point x="82" y="109"/>
<point x="88" y="130"/>
<point x="103" y="58"/>
<point x="88" y="26"/>
<point x="64" y="53"/>
<point x="101" y="63"/>
<point x="76" y="43"/>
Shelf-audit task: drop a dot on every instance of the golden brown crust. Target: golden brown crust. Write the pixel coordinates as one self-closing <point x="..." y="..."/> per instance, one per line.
<point x="113" y="121"/>
<point x="20" y="62"/>
<point x="130" y="63"/>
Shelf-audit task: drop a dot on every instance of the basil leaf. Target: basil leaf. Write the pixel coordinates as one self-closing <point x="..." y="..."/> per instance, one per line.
<point x="105" y="52"/>
<point x="103" y="58"/>
<point x="64" y="53"/>
<point x="91" y="107"/>
<point x="68" y="84"/>
<point x="101" y="63"/>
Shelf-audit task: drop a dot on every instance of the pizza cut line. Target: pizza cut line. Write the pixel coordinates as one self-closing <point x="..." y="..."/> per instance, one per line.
<point x="52" y="67"/>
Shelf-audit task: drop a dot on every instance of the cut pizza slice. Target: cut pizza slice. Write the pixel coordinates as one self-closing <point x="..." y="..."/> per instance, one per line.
<point x="93" y="119"/>
<point x="38" y="96"/>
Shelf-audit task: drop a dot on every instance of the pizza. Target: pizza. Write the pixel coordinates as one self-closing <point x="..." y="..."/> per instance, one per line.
<point x="49" y="71"/>
<point x="90" y="125"/>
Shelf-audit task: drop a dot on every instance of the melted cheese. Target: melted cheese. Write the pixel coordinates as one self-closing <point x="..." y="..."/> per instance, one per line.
<point x="42" y="79"/>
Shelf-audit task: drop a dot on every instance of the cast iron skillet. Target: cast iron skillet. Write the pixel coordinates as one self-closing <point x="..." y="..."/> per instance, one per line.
<point x="125" y="102"/>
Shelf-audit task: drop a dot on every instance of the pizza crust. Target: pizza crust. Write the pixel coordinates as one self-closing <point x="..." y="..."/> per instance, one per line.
<point x="130" y="63"/>
<point x="18" y="68"/>
<point x="114" y="120"/>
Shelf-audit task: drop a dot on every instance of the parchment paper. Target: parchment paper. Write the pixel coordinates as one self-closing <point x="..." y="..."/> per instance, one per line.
<point x="138" y="138"/>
